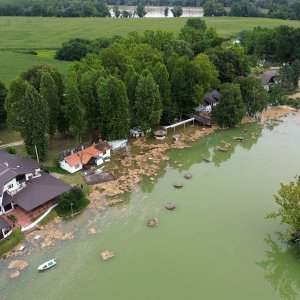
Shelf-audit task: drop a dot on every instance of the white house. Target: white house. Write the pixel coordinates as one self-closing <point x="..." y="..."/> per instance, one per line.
<point x="92" y="155"/>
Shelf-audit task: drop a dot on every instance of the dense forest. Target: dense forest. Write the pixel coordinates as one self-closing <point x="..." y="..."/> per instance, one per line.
<point x="283" y="9"/>
<point x="145" y="80"/>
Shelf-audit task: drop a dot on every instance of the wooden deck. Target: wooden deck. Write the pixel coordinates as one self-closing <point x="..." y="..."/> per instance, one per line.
<point x="204" y="120"/>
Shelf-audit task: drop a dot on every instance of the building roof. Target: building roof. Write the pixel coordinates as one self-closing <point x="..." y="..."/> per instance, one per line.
<point x="212" y="97"/>
<point x="12" y="165"/>
<point x="40" y="190"/>
<point x="86" y="154"/>
<point x="4" y="224"/>
<point x="267" y="77"/>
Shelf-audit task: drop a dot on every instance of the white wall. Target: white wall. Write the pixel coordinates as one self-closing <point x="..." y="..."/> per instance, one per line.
<point x="63" y="164"/>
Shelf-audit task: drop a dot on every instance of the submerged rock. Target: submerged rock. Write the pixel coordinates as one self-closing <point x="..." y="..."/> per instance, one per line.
<point x="153" y="222"/>
<point x="188" y="176"/>
<point x="178" y="185"/>
<point x="106" y="254"/>
<point x="14" y="274"/>
<point x="170" y="206"/>
<point x="18" y="265"/>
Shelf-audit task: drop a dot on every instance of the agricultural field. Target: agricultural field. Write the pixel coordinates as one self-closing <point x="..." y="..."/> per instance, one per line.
<point x="44" y="34"/>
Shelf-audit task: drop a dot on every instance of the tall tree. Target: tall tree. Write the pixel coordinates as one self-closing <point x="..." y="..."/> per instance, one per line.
<point x="254" y="95"/>
<point x="231" y="108"/>
<point x="49" y="91"/>
<point x="14" y="102"/>
<point x="90" y="101"/>
<point x="148" y="107"/>
<point x="72" y="108"/>
<point x="177" y="11"/>
<point x="116" y="11"/>
<point x="3" y="94"/>
<point x="295" y="65"/>
<point x="35" y="114"/>
<point x="166" y="12"/>
<point x="161" y="77"/>
<point x="114" y="108"/>
<point x="183" y="79"/>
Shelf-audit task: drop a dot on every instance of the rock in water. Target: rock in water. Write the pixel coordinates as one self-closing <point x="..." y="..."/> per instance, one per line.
<point x="178" y="185"/>
<point x="188" y="176"/>
<point x="153" y="222"/>
<point x="170" y="206"/>
<point x="105" y="255"/>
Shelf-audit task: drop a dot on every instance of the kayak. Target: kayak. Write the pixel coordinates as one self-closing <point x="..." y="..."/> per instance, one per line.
<point x="46" y="265"/>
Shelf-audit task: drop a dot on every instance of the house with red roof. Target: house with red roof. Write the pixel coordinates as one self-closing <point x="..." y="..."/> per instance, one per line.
<point x="95" y="154"/>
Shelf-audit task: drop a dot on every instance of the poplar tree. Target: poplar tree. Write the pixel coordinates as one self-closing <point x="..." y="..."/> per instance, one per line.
<point x="114" y="108"/>
<point x="148" y="107"/>
<point x="72" y="107"/>
<point x="49" y="91"/>
<point x="3" y="94"/>
<point x="161" y="77"/>
<point x="231" y="108"/>
<point x="89" y="99"/>
<point x="35" y="123"/>
<point x="14" y="103"/>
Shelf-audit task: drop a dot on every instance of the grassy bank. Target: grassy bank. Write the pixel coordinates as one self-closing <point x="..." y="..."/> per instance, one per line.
<point x="66" y="213"/>
<point x="13" y="63"/>
<point x="10" y="242"/>
<point x="49" y="33"/>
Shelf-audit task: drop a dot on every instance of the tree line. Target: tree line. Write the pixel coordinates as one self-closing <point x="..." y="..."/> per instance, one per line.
<point x="137" y="80"/>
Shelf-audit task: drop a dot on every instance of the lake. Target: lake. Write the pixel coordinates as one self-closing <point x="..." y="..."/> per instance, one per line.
<point x="216" y="245"/>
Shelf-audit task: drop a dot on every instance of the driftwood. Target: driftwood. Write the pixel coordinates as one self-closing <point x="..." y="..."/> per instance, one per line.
<point x="238" y="138"/>
<point x="153" y="222"/>
<point x="188" y="176"/>
<point x="178" y="185"/>
<point x="170" y="206"/>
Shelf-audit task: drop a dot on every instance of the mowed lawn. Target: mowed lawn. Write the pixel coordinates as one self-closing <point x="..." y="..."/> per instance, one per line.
<point x="12" y="64"/>
<point x="37" y="33"/>
<point x="49" y="33"/>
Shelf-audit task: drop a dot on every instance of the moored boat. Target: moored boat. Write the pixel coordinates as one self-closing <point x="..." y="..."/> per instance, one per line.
<point x="46" y="265"/>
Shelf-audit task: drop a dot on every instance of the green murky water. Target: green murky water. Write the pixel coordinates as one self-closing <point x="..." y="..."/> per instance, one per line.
<point x="216" y="245"/>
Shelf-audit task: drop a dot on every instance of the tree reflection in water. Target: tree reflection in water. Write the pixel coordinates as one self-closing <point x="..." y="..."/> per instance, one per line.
<point x="282" y="266"/>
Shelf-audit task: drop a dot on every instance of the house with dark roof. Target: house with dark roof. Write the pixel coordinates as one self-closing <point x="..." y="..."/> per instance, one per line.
<point x="269" y="78"/>
<point x="24" y="185"/>
<point x="209" y="101"/>
<point x="92" y="155"/>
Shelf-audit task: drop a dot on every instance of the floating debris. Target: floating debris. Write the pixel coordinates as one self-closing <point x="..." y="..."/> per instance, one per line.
<point x="170" y="206"/>
<point x="178" y="185"/>
<point x="188" y="176"/>
<point x="153" y="222"/>
<point x="105" y="255"/>
<point x="206" y="160"/>
<point x="176" y="137"/>
<point x="238" y="138"/>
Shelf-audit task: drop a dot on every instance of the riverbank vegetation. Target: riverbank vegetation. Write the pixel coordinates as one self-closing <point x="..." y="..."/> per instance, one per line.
<point x="288" y="199"/>
<point x="16" y="237"/>
<point x="71" y="203"/>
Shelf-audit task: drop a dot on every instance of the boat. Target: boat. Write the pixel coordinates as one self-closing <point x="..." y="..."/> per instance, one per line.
<point x="46" y="265"/>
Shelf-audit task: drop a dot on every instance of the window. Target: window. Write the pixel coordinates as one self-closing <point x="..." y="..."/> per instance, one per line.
<point x="10" y="186"/>
<point x="77" y="166"/>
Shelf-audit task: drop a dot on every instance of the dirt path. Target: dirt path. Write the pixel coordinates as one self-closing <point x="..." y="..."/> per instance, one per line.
<point x="18" y="143"/>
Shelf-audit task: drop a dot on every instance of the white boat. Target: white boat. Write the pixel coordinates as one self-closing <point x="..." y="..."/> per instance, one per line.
<point x="46" y="265"/>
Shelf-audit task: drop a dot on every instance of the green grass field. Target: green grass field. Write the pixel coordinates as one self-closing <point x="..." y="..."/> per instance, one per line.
<point x="37" y="33"/>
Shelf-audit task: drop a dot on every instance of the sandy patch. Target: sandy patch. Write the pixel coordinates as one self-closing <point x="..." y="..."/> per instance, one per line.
<point x="18" y="265"/>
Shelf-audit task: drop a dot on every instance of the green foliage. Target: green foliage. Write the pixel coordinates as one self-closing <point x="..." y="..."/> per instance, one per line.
<point x="177" y="11"/>
<point x="11" y="241"/>
<point x="75" y="49"/>
<point x="12" y="217"/>
<point x="72" y="106"/>
<point x="214" y="9"/>
<point x="114" y="109"/>
<point x="14" y="102"/>
<point x="277" y="95"/>
<point x="166" y="11"/>
<point x="35" y="123"/>
<point x="49" y="92"/>
<point x="141" y="11"/>
<point x="71" y="202"/>
<point x="116" y="11"/>
<point x="231" y="108"/>
<point x="3" y="94"/>
<point x="288" y="199"/>
<point x="11" y="150"/>
<point x="254" y="95"/>
<point x="148" y="106"/>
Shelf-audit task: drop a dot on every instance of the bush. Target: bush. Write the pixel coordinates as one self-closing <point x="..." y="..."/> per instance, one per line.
<point x="13" y="217"/>
<point x="11" y="150"/>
